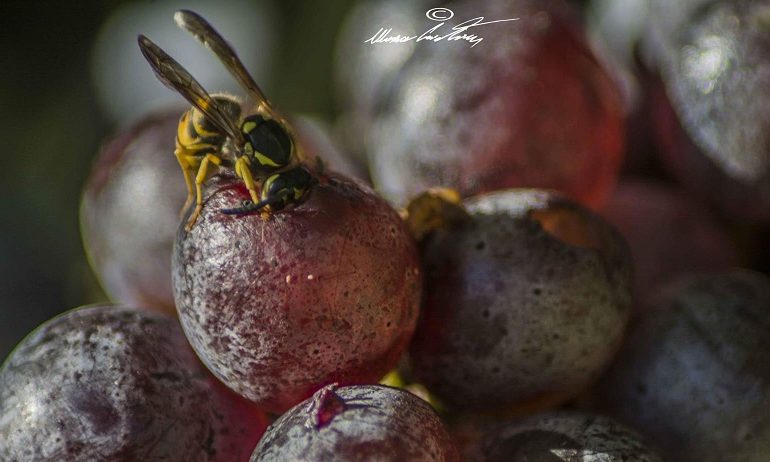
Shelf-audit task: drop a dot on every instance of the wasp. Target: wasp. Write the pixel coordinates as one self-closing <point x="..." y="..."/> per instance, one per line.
<point x="215" y="132"/>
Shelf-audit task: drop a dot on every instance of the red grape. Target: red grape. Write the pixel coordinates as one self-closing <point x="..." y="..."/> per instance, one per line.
<point x="530" y="106"/>
<point x="325" y="292"/>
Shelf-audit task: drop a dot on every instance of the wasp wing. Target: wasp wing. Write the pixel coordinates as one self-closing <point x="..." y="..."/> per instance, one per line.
<point x="203" y="31"/>
<point x="176" y="77"/>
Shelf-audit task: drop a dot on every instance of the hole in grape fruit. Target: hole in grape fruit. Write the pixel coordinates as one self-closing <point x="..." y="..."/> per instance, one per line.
<point x="480" y="245"/>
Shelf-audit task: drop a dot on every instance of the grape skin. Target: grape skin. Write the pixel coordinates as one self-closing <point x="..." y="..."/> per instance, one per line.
<point x="118" y="384"/>
<point x="528" y="300"/>
<point x="276" y="308"/>
<point x="365" y="422"/>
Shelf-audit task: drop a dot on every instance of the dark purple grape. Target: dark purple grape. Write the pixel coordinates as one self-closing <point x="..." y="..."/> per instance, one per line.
<point x="130" y="212"/>
<point x="529" y="106"/>
<point x="119" y="384"/>
<point x="356" y="423"/>
<point x="560" y="437"/>
<point x="695" y="373"/>
<point x="277" y="308"/>
<point x="527" y="300"/>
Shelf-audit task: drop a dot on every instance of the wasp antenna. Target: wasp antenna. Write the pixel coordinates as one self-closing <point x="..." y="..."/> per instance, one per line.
<point x="202" y="30"/>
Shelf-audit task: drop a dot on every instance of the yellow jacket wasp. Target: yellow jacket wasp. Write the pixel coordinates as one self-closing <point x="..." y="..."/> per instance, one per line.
<point x="215" y="132"/>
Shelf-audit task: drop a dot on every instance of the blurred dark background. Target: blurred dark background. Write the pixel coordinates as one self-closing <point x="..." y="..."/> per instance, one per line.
<point x="55" y="113"/>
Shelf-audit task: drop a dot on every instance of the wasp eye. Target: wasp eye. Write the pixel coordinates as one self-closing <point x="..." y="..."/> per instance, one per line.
<point x="269" y="140"/>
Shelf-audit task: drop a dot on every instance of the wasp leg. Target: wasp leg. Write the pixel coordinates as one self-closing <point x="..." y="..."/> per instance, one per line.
<point x="242" y="170"/>
<point x="187" y="170"/>
<point x="203" y="172"/>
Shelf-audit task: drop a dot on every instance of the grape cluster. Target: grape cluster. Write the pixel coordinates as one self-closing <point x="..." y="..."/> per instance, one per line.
<point x="513" y="302"/>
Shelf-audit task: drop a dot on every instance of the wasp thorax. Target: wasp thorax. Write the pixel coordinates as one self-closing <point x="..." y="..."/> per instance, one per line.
<point x="202" y="126"/>
<point x="267" y="142"/>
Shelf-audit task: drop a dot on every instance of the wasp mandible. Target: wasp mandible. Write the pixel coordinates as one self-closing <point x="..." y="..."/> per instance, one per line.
<point x="258" y="146"/>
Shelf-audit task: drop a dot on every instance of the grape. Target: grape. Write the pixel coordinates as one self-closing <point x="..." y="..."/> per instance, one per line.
<point x="326" y="292"/>
<point x="117" y="383"/>
<point x="695" y="372"/>
<point x="693" y="241"/>
<point x="130" y="212"/>
<point x="528" y="106"/>
<point x="526" y="301"/>
<point x="712" y="123"/>
<point x="364" y="422"/>
<point x="561" y="436"/>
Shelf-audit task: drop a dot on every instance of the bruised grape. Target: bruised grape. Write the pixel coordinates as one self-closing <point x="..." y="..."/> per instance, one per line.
<point x="692" y="240"/>
<point x="529" y="105"/>
<point x="363" y="422"/>
<point x="116" y="383"/>
<point x="130" y="212"/>
<point x="562" y="436"/>
<point x="695" y="373"/>
<point x="325" y="292"/>
<point x="526" y="301"/>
